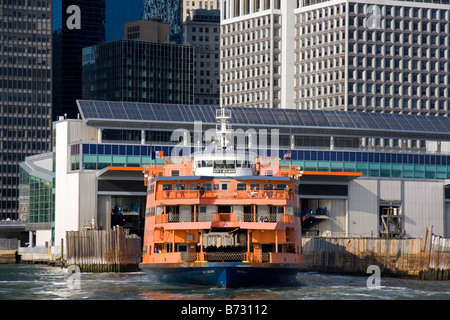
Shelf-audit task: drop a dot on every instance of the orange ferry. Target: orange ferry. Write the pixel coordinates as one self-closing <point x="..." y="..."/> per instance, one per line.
<point x="226" y="218"/>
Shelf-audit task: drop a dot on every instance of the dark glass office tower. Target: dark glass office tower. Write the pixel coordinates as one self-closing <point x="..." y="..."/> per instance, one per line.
<point x="139" y="71"/>
<point x="100" y="21"/>
<point x="68" y="43"/>
<point x="25" y="91"/>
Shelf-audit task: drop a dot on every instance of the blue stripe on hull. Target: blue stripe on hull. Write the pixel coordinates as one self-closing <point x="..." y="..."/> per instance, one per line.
<point x="225" y="276"/>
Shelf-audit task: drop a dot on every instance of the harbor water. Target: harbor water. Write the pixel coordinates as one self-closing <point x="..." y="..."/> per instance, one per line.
<point x="42" y="282"/>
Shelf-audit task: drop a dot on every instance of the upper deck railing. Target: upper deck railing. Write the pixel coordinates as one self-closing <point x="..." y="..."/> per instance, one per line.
<point x="223" y="217"/>
<point x="222" y="194"/>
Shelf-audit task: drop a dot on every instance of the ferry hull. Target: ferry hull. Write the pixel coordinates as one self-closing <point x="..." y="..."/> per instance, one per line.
<point x="224" y="275"/>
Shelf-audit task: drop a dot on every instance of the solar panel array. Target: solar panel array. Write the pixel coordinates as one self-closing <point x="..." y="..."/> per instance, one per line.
<point x="130" y="111"/>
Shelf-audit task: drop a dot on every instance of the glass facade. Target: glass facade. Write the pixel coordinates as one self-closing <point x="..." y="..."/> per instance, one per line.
<point x="139" y="71"/>
<point x="370" y="164"/>
<point x="25" y="91"/>
<point x="36" y="199"/>
<point x="169" y="11"/>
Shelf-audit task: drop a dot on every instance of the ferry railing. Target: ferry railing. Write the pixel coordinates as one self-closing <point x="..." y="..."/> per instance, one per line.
<point x="223" y="217"/>
<point x="239" y="194"/>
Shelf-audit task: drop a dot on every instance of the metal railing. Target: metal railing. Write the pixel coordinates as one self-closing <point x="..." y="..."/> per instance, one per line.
<point x="224" y="217"/>
<point x="239" y="194"/>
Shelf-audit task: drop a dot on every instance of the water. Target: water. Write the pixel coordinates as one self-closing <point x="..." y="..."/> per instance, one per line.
<point x="41" y="282"/>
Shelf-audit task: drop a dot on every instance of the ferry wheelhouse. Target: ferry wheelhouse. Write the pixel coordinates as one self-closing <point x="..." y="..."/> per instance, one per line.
<point x="225" y="218"/>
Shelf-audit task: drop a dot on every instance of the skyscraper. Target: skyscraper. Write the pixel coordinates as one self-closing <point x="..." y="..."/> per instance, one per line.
<point x="203" y="32"/>
<point x="99" y="21"/>
<point x="69" y="39"/>
<point x="25" y="91"/>
<point x="352" y="55"/>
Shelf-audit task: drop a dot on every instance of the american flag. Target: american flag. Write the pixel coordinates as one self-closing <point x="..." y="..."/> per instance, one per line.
<point x="286" y="155"/>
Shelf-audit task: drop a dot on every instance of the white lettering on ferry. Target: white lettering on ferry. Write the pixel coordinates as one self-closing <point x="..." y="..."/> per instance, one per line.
<point x="198" y="310"/>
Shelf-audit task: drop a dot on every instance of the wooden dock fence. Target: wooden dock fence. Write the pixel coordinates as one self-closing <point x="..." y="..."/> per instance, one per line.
<point x="103" y="250"/>
<point x="423" y="258"/>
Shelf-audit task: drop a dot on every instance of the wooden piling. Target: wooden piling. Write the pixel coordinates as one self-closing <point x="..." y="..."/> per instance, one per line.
<point x="103" y="250"/>
<point x="424" y="258"/>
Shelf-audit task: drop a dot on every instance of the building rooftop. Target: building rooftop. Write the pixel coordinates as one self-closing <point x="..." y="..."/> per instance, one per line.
<point x="111" y="114"/>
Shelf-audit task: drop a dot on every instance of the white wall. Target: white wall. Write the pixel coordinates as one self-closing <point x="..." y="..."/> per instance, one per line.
<point x="362" y="217"/>
<point x="423" y="206"/>
<point x="76" y="192"/>
<point x="43" y="236"/>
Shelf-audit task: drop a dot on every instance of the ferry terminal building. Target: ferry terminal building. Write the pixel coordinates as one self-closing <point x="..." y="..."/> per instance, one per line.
<point x="364" y="174"/>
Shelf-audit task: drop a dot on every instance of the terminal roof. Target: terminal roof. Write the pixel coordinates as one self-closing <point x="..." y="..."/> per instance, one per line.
<point x="113" y="114"/>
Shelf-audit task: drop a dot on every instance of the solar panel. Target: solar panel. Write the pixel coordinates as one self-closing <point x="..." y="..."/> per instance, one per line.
<point x="130" y="111"/>
<point x="186" y="111"/>
<point x="359" y="123"/>
<point x="428" y="125"/>
<point x="238" y="116"/>
<point x="332" y="119"/>
<point x="369" y="121"/>
<point x="346" y="119"/>
<point x="252" y="116"/>
<point x="308" y="118"/>
<point x="294" y="117"/>
<point x="415" y="123"/>
<point x="174" y="112"/>
<point x="103" y="110"/>
<point x="209" y="114"/>
<point x="161" y="112"/>
<point x="117" y="110"/>
<point x="404" y="123"/>
<point x="281" y="118"/>
<point x="266" y="116"/>
<point x="442" y="124"/>
<point x="146" y="111"/>
<point x="197" y="113"/>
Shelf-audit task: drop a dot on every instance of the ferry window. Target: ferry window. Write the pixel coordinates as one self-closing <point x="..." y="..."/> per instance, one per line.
<point x="281" y="186"/>
<point x="202" y="209"/>
<point x="255" y="186"/>
<point x="268" y="186"/>
<point x="180" y="186"/>
<point x="229" y="165"/>
<point x="201" y="164"/>
<point x="193" y="186"/>
<point x="239" y="163"/>
<point x="167" y="186"/>
<point x="219" y="164"/>
<point x="207" y="186"/>
<point x="175" y="173"/>
<point x="209" y="163"/>
<point x="224" y="185"/>
<point x="241" y="186"/>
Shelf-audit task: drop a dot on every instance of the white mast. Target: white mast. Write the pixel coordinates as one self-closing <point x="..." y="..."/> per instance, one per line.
<point x="223" y="127"/>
